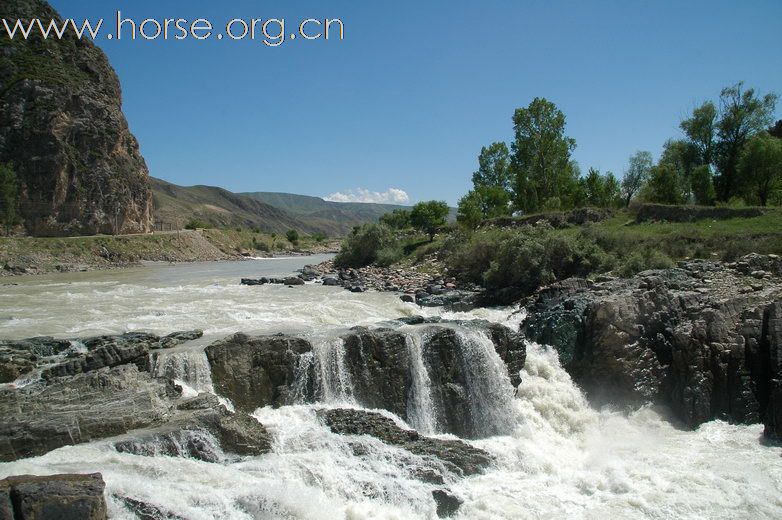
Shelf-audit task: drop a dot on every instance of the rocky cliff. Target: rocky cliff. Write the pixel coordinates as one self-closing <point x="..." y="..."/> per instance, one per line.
<point x="63" y="131"/>
<point x="704" y="339"/>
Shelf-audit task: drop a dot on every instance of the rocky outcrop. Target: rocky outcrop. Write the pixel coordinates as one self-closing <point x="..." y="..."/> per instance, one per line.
<point x="703" y="338"/>
<point x="64" y="134"/>
<point x="203" y="430"/>
<point x="62" y="497"/>
<point x="458" y="456"/>
<point x="375" y="368"/>
<point x="107" y="402"/>
<point x="61" y="357"/>
<point x="255" y="371"/>
<point x="22" y="357"/>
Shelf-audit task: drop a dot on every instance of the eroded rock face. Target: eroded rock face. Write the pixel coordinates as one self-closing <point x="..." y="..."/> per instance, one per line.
<point x="378" y="368"/>
<point x="64" y="134"/>
<point x="703" y="339"/>
<point x="107" y="402"/>
<point x="204" y="430"/>
<point x="65" y="497"/>
<point x="255" y="371"/>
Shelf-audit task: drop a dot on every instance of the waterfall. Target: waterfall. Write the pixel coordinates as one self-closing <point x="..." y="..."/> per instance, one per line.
<point x="334" y="382"/>
<point x="420" y="406"/>
<point x="488" y="386"/>
<point x="189" y="368"/>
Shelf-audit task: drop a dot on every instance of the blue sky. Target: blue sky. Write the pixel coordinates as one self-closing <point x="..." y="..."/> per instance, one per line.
<point x="416" y="88"/>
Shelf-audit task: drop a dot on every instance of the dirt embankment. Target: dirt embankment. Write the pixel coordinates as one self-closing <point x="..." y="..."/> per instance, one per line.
<point x="25" y="255"/>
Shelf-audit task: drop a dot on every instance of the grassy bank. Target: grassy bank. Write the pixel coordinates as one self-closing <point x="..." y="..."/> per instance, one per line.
<point x="40" y="255"/>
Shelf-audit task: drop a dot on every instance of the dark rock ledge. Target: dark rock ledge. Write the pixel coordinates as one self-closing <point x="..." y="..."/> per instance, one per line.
<point x="704" y="339"/>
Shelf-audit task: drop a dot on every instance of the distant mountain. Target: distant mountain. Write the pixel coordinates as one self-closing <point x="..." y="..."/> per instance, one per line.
<point x="269" y="212"/>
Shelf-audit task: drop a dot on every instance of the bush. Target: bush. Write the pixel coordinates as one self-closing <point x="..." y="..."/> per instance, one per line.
<point x="644" y="260"/>
<point x="389" y="255"/>
<point x="197" y="224"/>
<point x="293" y="236"/>
<point x="319" y="237"/>
<point x="525" y="260"/>
<point x="362" y="246"/>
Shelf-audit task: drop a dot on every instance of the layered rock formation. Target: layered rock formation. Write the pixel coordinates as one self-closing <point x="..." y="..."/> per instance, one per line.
<point x="64" y="134"/>
<point x="704" y="338"/>
<point x="65" y="497"/>
<point x="375" y="368"/>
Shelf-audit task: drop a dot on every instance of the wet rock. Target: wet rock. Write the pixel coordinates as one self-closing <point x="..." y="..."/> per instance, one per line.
<point x="293" y="280"/>
<point x="109" y="354"/>
<point x="407" y="298"/>
<point x="22" y="356"/>
<point x="177" y="338"/>
<point x="99" y="404"/>
<point x="379" y="365"/>
<point x="254" y="281"/>
<point x="145" y="511"/>
<point x="331" y="282"/>
<point x="62" y="497"/>
<point x="459" y="301"/>
<point x="255" y="371"/>
<point x="458" y="456"/>
<point x="663" y="337"/>
<point x="447" y="504"/>
<point x="206" y="435"/>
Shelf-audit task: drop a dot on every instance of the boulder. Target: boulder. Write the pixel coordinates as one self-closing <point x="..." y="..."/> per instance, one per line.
<point x="255" y="371"/>
<point x="331" y="282"/>
<point x="205" y="434"/>
<point x="254" y="281"/>
<point x="458" y="456"/>
<point x="61" y="497"/>
<point x="293" y="280"/>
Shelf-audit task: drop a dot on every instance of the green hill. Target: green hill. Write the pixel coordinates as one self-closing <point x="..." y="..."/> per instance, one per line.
<point x="270" y="212"/>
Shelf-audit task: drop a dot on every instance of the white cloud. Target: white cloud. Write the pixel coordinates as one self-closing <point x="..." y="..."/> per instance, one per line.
<point x="390" y="196"/>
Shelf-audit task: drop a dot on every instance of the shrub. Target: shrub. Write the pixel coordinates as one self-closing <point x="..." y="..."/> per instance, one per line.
<point x="293" y="236"/>
<point x="524" y="260"/>
<point x="319" y="237"/>
<point x="362" y="246"/>
<point x="644" y="260"/>
<point x="197" y="224"/>
<point x="389" y="255"/>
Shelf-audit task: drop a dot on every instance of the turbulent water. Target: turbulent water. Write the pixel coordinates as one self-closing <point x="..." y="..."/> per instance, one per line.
<point x="556" y="456"/>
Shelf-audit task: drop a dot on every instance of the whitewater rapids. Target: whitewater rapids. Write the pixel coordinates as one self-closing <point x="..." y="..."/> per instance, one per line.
<point x="559" y="458"/>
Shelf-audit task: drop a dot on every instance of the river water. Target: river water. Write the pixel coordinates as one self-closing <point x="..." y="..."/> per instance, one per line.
<point x="555" y="456"/>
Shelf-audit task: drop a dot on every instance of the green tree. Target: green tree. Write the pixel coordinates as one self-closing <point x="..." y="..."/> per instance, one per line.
<point x="482" y="203"/>
<point x="636" y="174"/>
<point x="494" y="167"/>
<point x="700" y="129"/>
<point x="397" y="219"/>
<point x="541" y="156"/>
<point x="9" y="197"/>
<point x="702" y="185"/>
<point x="601" y="191"/>
<point x="293" y="236"/>
<point x="760" y="167"/>
<point x="428" y="216"/>
<point x="683" y="156"/>
<point x="663" y="185"/>
<point x="743" y="114"/>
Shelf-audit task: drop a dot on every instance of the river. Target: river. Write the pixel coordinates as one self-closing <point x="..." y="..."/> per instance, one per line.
<point x="560" y="459"/>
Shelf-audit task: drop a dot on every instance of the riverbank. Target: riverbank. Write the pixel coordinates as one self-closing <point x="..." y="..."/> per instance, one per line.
<point x="28" y="255"/>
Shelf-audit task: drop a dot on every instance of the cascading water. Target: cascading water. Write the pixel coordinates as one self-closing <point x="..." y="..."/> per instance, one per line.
<point x="421" y="413"/>
<point x="559" y="459"/>
<point x="188" y="367"/>
<point x="335" y="384"/>
<point x="489" y="391"/>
